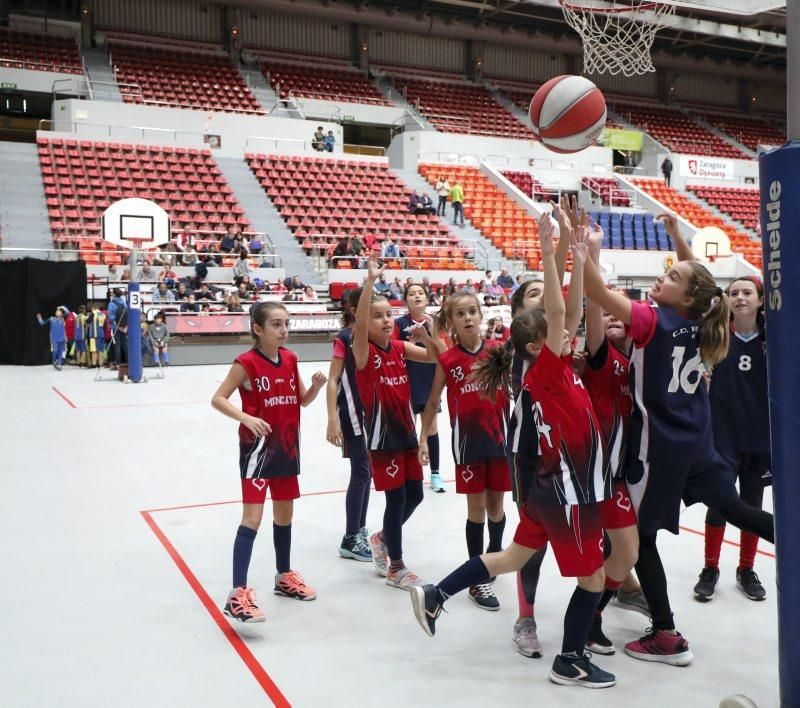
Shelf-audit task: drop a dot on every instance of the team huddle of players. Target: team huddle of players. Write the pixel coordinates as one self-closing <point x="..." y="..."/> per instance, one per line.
<point x="667" y="403"/>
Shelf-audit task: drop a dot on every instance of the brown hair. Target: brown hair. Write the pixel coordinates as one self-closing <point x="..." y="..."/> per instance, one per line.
<point x="260" y="312"/>
<point x="348" y="318"/>
<point x="518" y="296"/>
<point x="444" y="318"/>
<point x="494" y="372"/>
<point x="759" y="285"/>
<point x="417" y="285"/>
<point x="711" y="308"/>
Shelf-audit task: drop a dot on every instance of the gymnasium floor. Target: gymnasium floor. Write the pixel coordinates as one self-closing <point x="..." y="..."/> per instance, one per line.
<point x="109" y="604"/>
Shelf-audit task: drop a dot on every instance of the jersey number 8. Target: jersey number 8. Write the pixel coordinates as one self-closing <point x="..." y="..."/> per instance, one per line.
<point x="682" y="372"/>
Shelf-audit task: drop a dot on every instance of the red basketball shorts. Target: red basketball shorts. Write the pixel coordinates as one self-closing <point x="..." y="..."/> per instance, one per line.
<point x="618" y="512"/>
<point x="574" y="532"/>
<point x="477" y="477"/>
<point x="392" y="468"/>
<point x="254" y="489"/>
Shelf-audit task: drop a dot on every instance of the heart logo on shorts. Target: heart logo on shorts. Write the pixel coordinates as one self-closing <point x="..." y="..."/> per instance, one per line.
<point x="392" y="469"/>
<point x="259" y="484"/>
<point x="467" y="474"/>
<point x="623" y="501"/>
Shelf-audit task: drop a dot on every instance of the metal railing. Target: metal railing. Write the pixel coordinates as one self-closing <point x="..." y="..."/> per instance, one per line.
<point x="15" y="63"/>
<point x="118" y="131"/>
<point x="84" y="87"/>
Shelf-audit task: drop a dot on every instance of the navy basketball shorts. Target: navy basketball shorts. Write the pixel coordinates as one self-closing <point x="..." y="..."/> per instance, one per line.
<point x="750" y="466"/>
<point x="574" y="532"/>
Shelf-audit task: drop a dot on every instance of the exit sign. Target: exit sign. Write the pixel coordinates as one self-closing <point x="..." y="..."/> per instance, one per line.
<point x="7" y="85"/>
<point x="350" y="118"/>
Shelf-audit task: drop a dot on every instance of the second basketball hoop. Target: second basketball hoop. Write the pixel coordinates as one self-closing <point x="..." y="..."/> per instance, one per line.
<point x="617" y="35"/>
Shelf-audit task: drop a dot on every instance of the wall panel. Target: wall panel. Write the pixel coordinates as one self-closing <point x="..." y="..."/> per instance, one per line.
<point x="302" y="34"/>
<point x="177" y="18"/>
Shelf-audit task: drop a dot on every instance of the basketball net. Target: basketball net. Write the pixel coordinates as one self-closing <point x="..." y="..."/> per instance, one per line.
<point x="617" y="35"/>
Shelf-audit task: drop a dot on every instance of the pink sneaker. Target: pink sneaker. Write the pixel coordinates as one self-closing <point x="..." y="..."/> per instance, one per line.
<point x="291" y="584"/>
<point x="658" y="645"/>
<point x="402" y="579"/>
<point x="380" y="554"/>
<point x="241" y="606"/>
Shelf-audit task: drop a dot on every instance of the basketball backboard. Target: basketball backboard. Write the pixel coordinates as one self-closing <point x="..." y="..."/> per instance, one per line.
<point x="135" y="221"/>
<point x="729" y="7"/>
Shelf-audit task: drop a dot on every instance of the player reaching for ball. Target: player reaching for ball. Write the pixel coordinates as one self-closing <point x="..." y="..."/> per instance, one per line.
<point x="272" y="393"/>
<point x="382" y="377"/>
<point x="563" y="498"/>
<point x="479" y="430"/>
<point x="671" y="451"/>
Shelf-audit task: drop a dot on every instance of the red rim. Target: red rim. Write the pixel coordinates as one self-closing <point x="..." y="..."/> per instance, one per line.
<point x="611" y="10"/>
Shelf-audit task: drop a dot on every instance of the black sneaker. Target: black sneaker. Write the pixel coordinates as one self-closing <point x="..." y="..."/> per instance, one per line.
<point x="598" y="642"/>
<point x="704" y="590"/>
<point x="427" y="607"/>
<point x="747" y="581"/>
<point x="573" y="670"/>
<point x="483" y="596"/>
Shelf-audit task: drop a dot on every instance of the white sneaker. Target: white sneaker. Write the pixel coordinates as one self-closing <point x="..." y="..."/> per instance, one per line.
<point x="526" y="639"/>
<point x="436" y="483"/>
<point x="380" y="554"/>
<point x="402" y="579"/>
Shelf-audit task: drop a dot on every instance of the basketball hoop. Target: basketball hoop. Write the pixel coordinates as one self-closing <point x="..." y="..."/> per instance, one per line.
<point x="617" y="35"/>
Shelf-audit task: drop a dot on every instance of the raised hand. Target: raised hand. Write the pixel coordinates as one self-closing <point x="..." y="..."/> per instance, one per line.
<point x="374" y="271"/>
<point x="670" y="222"/>
<point x="580" y="246"/>
<point x="546" y="235"/>
<point x="596" y="237"/>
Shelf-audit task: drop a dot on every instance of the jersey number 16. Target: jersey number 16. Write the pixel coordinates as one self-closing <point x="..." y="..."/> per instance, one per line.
<point x="682" y="372"/>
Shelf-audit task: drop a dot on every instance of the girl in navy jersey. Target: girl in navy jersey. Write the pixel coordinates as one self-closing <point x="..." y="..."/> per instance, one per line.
<point x="671" y="450"/>
<point x="269" y="451"/>
<point x="382" y="377"/>
<point x="740" y="418"/>
<point x="479" y="431"/>
<point x="562" y="503"/>
<point x="346" y="430"/>
<point x="420" y="376"/>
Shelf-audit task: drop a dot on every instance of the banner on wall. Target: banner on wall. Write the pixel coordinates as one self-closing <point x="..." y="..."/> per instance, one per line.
<point x="620" y="139"/>
<point x="705" y="167"/>
<point x="237" y="323"/>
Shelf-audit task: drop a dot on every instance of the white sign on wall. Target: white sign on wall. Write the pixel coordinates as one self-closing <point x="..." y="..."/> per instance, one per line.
<point x="706" y="167"/>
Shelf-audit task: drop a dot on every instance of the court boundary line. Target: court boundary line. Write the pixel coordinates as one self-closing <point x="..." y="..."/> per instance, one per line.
<point x="64" y="397"/>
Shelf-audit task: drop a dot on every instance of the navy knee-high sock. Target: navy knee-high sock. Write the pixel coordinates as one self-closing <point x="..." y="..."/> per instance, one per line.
<point x="473" y="572"/>
<point x="496" y="529"/>
<point x="433" y="452"/>
<point x="578" y="620"/>
<point x="474" y="532"/>
<point x="242" y="551"/>
<point x="282" y="538"/>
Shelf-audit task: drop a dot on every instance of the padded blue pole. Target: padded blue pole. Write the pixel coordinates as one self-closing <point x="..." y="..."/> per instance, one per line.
<point x="134" y="323"/>
<point x="779" y="172"/>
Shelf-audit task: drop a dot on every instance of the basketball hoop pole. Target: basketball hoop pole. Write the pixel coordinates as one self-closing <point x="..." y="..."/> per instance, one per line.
<point x="134" y="319"/>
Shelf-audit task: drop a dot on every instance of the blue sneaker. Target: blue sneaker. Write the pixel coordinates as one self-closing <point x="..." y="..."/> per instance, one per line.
<point x="356" y="547"/>
<point x="574" y="670"/>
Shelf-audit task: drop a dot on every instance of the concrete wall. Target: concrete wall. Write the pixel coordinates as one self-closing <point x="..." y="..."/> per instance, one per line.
<point x="30" y="80"/>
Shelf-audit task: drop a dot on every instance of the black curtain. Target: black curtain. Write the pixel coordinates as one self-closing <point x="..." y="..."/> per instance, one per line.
<point x="28" y="286"/>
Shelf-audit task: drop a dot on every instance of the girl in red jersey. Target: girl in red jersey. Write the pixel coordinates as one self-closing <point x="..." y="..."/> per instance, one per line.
<point x="269" y="451"/>
<point x="562" y="503"/>
<point x="382" y="377"/>
<point x="606" y="379"/>
<point x="479" y="431"/>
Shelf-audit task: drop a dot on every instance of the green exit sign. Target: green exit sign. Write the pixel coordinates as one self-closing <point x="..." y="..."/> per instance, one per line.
<point x="7" y="84"/>
<point x="350" y="118"/>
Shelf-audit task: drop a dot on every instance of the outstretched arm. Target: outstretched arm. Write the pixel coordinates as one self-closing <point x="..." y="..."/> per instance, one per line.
<point x="361" y="327"/>
<point x="613" y="302"/>
<point x="595" y="332"/>
<point x="682" y="248"/>
<point x="553" y="300"/>
<point x="580" y="250"/>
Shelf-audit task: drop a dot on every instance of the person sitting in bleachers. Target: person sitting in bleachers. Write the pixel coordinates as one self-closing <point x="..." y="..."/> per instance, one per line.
<point x="242" y="266"/>
<point x="233" y="303"/>
<point x="381" y="286"/>
<point x="341" y="252"/>
<point x="396" y="290"/>
<point x="318" y="143"/>
<point x="190" y="305"/>
<point x="181" y="292"/>
<point x="228" y="242"/>
<point x="309" y="294"/>
<point x="204" y="293"/>
<point x="256" y="244"/>
<point x="420" y="204"/>
<point x="389" y="249"/>
<point x="329" y="141"/>
<point x="167" y="275"/>
<point x="504" y="280"/>
<point x="147" y="274"/>
<point x="163" y="294"/>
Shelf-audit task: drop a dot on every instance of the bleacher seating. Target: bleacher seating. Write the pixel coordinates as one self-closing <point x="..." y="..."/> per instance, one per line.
<point x="632" y="231"/>
<point x="461" y="108"/>
<point x="751" y="132"/>
<point x="39" y="52"/>
<point x="82" y="178"/>
<point x="322" y="83"/>
<point x="741" y="203"/>
<point x="499" y="218"/>
<point x="677" y="131"/>
<point x="530" y="186"/>
<point x="699" y="216"/>
<point x="607" y="190"/>
<point x="182" y="79"/>
<point x="324" y="199"/>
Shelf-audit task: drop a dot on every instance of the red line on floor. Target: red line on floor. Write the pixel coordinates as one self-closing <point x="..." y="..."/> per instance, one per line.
<point x="69" y="403"/>
<point x="260" y="675"/>
<point x="141" y="405"/>
<point x="725" y="540"/>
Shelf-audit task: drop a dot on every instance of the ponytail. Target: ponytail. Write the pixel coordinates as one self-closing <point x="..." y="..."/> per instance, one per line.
<point x="715" y="331"/>
<point x="493" y="373"/>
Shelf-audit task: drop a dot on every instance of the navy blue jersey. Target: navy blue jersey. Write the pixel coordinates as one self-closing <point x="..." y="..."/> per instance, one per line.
<point x="522" y="448"/>
<point x="420" y="376"/>
<point x="348" y="400"/>
<point x="738" y="392"/>
<point x="671" y="411"/>
<point x="519" y="367"/>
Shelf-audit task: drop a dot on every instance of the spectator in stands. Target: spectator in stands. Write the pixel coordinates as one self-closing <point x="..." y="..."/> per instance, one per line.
<point x="309" y="294"/>
<point x="204" y="293"/>
<point x="415" y="205"/>
<point x="243" y="294"/>
<point x="168" y="275"/>
<point x="426" y="281"/>
<point x="495" y="329"/>
<point x="228" y="242"/>
<point x="341" y="252"/>
<point x="163" y="294"/>
<point x="504" y="280"/>
<point x="242" y="266"/>
<point x="112" y="273"/>
<point x="248" y="284"/>
<point x="329" y="141"/>
<point x="494" y="289"/>
<point x="434" y="297"/>
<point x="517" y="284"/>
<point x="190" y="305"/>
<point x="443" y="190"/>
<point x="381" y="286"/>
<point x="189" y="255"/>
<point x="369" y="243"/>
<point x="126" y="275"/>
<point x="147" y="274"/>
<point x="233" y="303"/>
<point x="278" y="288"/>
<point x="318" y="143"/>
<point x="389" y="249"/>
<point x="297" y="283"/>
<point x="396" y="290"/>
<point x="256" y="244"/>
<point x="469" y="286"/>
<point x="457" y="197"/>
<point x="118" y="318"/>
<point x="666" y="170"/>
<point x="357" y="248"/>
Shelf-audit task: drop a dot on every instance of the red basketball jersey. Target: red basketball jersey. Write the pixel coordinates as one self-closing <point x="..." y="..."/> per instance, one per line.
<point x="272" y="395"/>
<point x="479" y="425"/>
<point x="385" y="394"/>
<point x="606" y="379"/>
<point x="572" y="458"/>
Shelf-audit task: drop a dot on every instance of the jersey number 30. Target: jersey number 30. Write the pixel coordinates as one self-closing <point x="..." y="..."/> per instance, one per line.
<point x="682" y="372"/>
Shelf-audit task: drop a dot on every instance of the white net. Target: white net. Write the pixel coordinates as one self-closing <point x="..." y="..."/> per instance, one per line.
<point x="617" y="35"/>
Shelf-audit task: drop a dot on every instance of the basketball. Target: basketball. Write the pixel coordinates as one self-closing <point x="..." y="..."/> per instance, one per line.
<point x="568" y="113"/>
